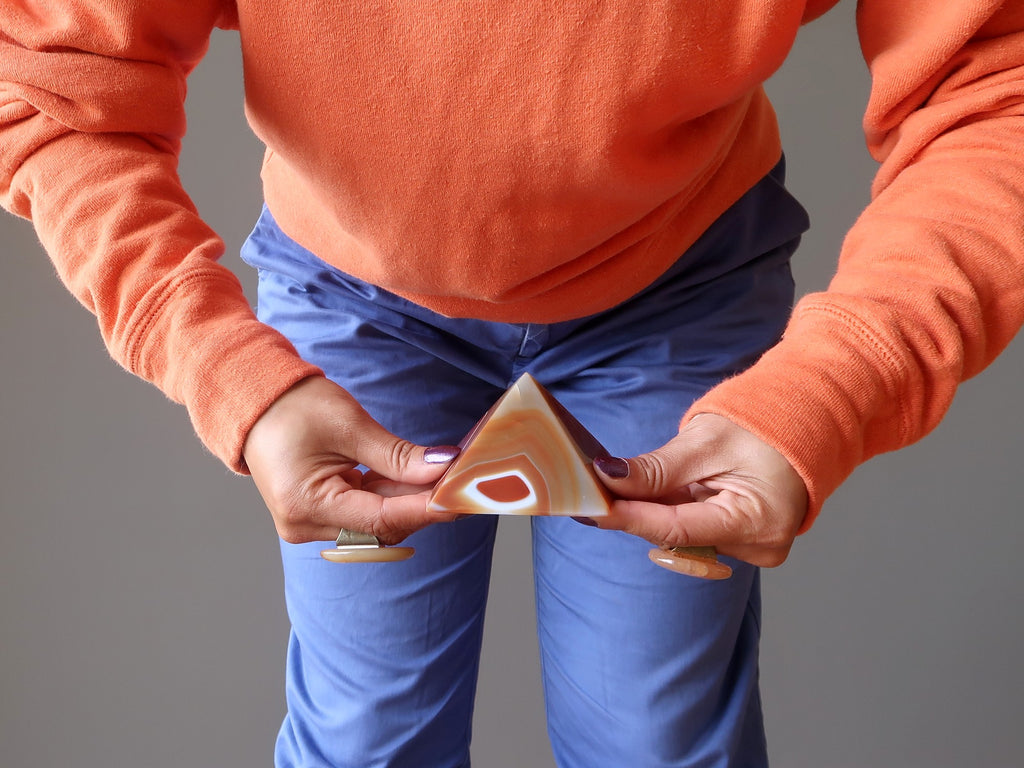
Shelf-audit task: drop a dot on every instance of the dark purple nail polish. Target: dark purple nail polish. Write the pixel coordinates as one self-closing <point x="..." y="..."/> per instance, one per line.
<point x="440" y="454"/>
<point x="585" y="521"/>
<point x="612" y="466"/>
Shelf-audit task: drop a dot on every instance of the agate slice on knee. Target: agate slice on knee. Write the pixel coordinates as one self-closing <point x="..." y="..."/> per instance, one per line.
<point x="527" y="456"/>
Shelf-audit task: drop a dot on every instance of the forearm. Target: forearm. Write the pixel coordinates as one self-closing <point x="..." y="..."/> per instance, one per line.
<point x="929" y="290"/>
<point x="930" y="283"/>
<point x="89" y="137"/>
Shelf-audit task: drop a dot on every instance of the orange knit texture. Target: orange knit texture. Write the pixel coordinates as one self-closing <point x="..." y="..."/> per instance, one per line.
<point x="527" y="163"/>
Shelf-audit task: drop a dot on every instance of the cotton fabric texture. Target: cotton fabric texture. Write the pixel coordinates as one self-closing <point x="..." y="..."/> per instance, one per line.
<point x="640" y="666"/>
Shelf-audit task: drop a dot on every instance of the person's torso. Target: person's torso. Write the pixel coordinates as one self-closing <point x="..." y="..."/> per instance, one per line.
<point x="495" y="159"/>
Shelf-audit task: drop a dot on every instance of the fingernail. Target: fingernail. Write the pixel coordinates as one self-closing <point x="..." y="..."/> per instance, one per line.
<point x="585" y="521"/>
<point x="440" y="454"/>
<point x="612" y="466"/>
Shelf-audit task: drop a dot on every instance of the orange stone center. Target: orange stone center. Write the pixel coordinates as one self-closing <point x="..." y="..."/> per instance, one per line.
<point x="504" y="489"/>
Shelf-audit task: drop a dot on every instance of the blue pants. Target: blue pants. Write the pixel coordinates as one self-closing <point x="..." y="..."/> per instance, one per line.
<point x="641" y="667"/>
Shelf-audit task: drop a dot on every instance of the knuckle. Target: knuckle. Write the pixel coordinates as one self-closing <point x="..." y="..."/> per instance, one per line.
<point x="400" y="453"/>
<point x="656" y="471"/>
<point x="293" y="510"/>
<point x="385" y="534"/>
<point x="774" y="558"/>
<point x="677" y="538"/>
<point x="291" y="536"/>
<point x="380" y="529"/>
<point x="772" y="530"/>
<point x="776" y="538"/>
<point x="292" y="513"/>
<point x="290" y="519"/>
<point x="740" y="516"/>
<point x="385" y="527"/>
<point x="755" y="520"/>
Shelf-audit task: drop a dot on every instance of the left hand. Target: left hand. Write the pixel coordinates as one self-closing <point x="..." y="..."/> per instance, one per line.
<point x="714" y="484"/>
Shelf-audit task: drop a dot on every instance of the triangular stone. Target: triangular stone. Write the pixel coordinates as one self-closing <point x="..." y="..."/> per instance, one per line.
<point x="527" y="456"/>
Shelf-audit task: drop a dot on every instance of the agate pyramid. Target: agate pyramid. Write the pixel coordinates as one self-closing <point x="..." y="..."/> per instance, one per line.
<point x="527" y="456"/>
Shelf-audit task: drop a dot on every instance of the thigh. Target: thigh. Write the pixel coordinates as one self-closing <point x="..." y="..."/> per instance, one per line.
<point x="643" y="666"/>
<point x="382" y="659"/>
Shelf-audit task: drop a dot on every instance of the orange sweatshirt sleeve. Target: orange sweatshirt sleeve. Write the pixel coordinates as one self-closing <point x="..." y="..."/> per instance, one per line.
<point x="930" y="283"/>
<point x="91" y="120"/>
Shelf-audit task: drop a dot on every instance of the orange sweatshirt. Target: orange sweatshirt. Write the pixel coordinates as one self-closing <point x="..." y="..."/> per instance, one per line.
<point x="529" y="162"/>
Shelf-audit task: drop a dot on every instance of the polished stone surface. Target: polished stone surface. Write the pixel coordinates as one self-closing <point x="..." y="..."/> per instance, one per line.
<point x="361" y="554"/>
<point x="527" y="456"/>
<point x="701" y="562"/>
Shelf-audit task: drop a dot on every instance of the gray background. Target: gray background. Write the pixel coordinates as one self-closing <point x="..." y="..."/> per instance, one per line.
<point x="142" y="618"/>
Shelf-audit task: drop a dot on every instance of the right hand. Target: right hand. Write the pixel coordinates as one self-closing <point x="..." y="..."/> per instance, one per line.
<point x="304" y="452"/>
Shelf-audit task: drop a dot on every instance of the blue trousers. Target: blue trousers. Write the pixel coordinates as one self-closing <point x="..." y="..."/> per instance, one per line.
<point x="641" y="666"/>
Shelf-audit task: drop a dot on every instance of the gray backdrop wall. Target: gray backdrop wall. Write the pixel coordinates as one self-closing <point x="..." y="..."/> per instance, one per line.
<point x="142" y="619"/>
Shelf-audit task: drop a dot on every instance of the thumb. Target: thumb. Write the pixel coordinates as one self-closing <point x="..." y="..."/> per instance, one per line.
<point x="391" y="457"/>
<point x="663" y="474"/>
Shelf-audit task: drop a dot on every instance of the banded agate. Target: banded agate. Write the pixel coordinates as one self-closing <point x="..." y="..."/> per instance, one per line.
<point x="527" y="456"/>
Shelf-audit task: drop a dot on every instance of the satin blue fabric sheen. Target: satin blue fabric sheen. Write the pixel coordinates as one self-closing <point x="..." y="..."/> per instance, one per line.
<point x="641" y="667"/>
